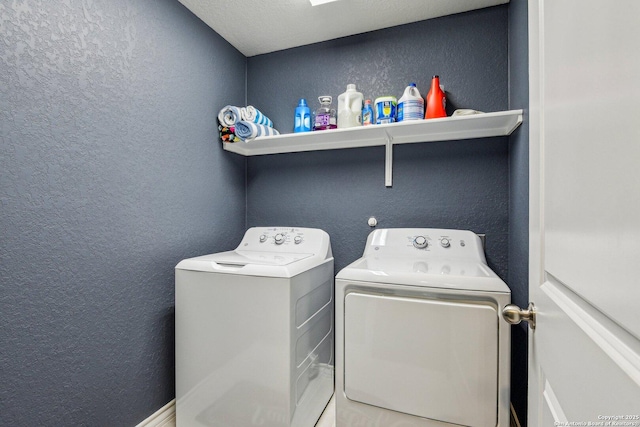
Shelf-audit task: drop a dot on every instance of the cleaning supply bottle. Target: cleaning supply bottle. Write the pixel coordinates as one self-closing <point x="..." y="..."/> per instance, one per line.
<point x="436" y="100"/>
<point x="302" y="119"/>
<point x="368" y="118"/>
<point x="325" y="116"/>
<point x="350" y="108"/>
<point x="411" y="104"/>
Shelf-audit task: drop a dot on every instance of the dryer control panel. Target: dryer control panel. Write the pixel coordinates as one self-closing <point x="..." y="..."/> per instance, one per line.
<point x="430" y="242"/>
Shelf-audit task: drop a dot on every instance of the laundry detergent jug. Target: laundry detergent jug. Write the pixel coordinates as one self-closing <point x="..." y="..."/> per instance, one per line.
<point x="350" y="105"/>
<point x="302" y="118"/>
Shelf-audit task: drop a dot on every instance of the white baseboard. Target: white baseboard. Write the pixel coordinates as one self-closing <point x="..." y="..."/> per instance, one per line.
<point x="163" y="417"/>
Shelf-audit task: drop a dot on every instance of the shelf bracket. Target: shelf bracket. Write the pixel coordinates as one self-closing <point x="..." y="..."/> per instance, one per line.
<point x="388" y="161"/>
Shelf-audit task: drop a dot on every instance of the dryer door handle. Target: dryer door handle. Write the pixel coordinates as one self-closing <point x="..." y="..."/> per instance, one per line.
<point x="514" y="314"/>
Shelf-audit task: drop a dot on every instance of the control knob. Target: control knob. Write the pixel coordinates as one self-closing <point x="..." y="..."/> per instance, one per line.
<point x="263" y="238"/>
<point x="297" y="240"/>
<point x="279" y="238"/>
<point x="444" y="242"/>
<point x="420" y="242"/>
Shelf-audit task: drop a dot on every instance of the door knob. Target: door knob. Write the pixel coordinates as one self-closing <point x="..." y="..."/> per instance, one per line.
<point x="514" y="314"/>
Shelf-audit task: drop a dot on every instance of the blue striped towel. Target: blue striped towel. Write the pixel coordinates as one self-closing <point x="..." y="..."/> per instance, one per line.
<point x="249" y="130"/>
<point x="229" y="116"/>
<point x="252" y="114"/>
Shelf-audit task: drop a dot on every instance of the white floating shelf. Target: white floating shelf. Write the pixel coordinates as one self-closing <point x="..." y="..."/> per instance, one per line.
<point x="501" y="123"/>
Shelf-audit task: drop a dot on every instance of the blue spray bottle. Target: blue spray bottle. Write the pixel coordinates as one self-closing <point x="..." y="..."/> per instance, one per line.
<point x="302" y="120"/>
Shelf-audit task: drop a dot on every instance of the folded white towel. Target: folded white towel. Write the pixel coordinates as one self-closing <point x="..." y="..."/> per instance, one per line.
<point x="465" y="112"/>
<point x="249" y="130"/>
<point x="252" y="114"/>
<point x="229" y="116"/>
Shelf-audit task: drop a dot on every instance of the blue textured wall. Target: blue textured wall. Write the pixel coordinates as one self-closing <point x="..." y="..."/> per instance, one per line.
<point x="111" y="172"/>
<point x="456" y="184"/>
<point x="519" y="198"/>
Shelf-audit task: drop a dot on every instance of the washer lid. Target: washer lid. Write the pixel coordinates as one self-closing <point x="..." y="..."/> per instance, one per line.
<point x="253" y="263"/>
<point x="426" y="272"/>
<point x="240" y="258"/>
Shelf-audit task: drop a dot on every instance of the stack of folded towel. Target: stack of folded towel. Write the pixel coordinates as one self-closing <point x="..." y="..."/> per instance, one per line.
<point x="243" y="124"/>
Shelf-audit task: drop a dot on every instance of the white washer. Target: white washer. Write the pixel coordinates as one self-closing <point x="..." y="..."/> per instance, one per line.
<point x="254" y="331"/>
<point x="420" y="340"/>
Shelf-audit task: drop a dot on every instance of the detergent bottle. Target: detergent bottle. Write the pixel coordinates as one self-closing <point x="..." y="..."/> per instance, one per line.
<point x="411" y="104"/>
<point x="436" y="100"/>
<point x="368" y="117"/>
<point x="302" y="118"/>
<point x="350" y="105"/>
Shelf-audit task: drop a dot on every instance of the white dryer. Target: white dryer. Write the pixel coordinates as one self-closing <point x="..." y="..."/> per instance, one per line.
<point x="254" y="331"/>
<point x="420" y="340"/>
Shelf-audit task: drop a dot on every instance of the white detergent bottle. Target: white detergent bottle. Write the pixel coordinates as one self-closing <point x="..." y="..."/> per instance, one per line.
<point x="411" y="105"/>
<point x="350" y="105"/>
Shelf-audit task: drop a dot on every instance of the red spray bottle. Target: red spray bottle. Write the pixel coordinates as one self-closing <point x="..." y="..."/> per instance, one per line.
<point x="436" y="100"/>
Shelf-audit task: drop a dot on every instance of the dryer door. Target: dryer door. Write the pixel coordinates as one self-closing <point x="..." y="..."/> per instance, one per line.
<point x="429" y="358"/>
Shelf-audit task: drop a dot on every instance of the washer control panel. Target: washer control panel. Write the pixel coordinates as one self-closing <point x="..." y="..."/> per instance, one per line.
<point x="425" y="241"/>
<point x="282" y="236"/>
<point x="286" y="239"/>
<point x="420" y="242"/>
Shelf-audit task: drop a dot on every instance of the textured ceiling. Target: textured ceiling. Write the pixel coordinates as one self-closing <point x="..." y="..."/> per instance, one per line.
<point x="262" y="26"/>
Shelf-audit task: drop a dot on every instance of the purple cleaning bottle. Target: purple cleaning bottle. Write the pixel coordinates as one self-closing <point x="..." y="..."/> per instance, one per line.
<point x="325" y="117"/>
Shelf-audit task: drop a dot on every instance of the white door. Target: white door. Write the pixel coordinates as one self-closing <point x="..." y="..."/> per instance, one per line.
<point x="584" y="355"/>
